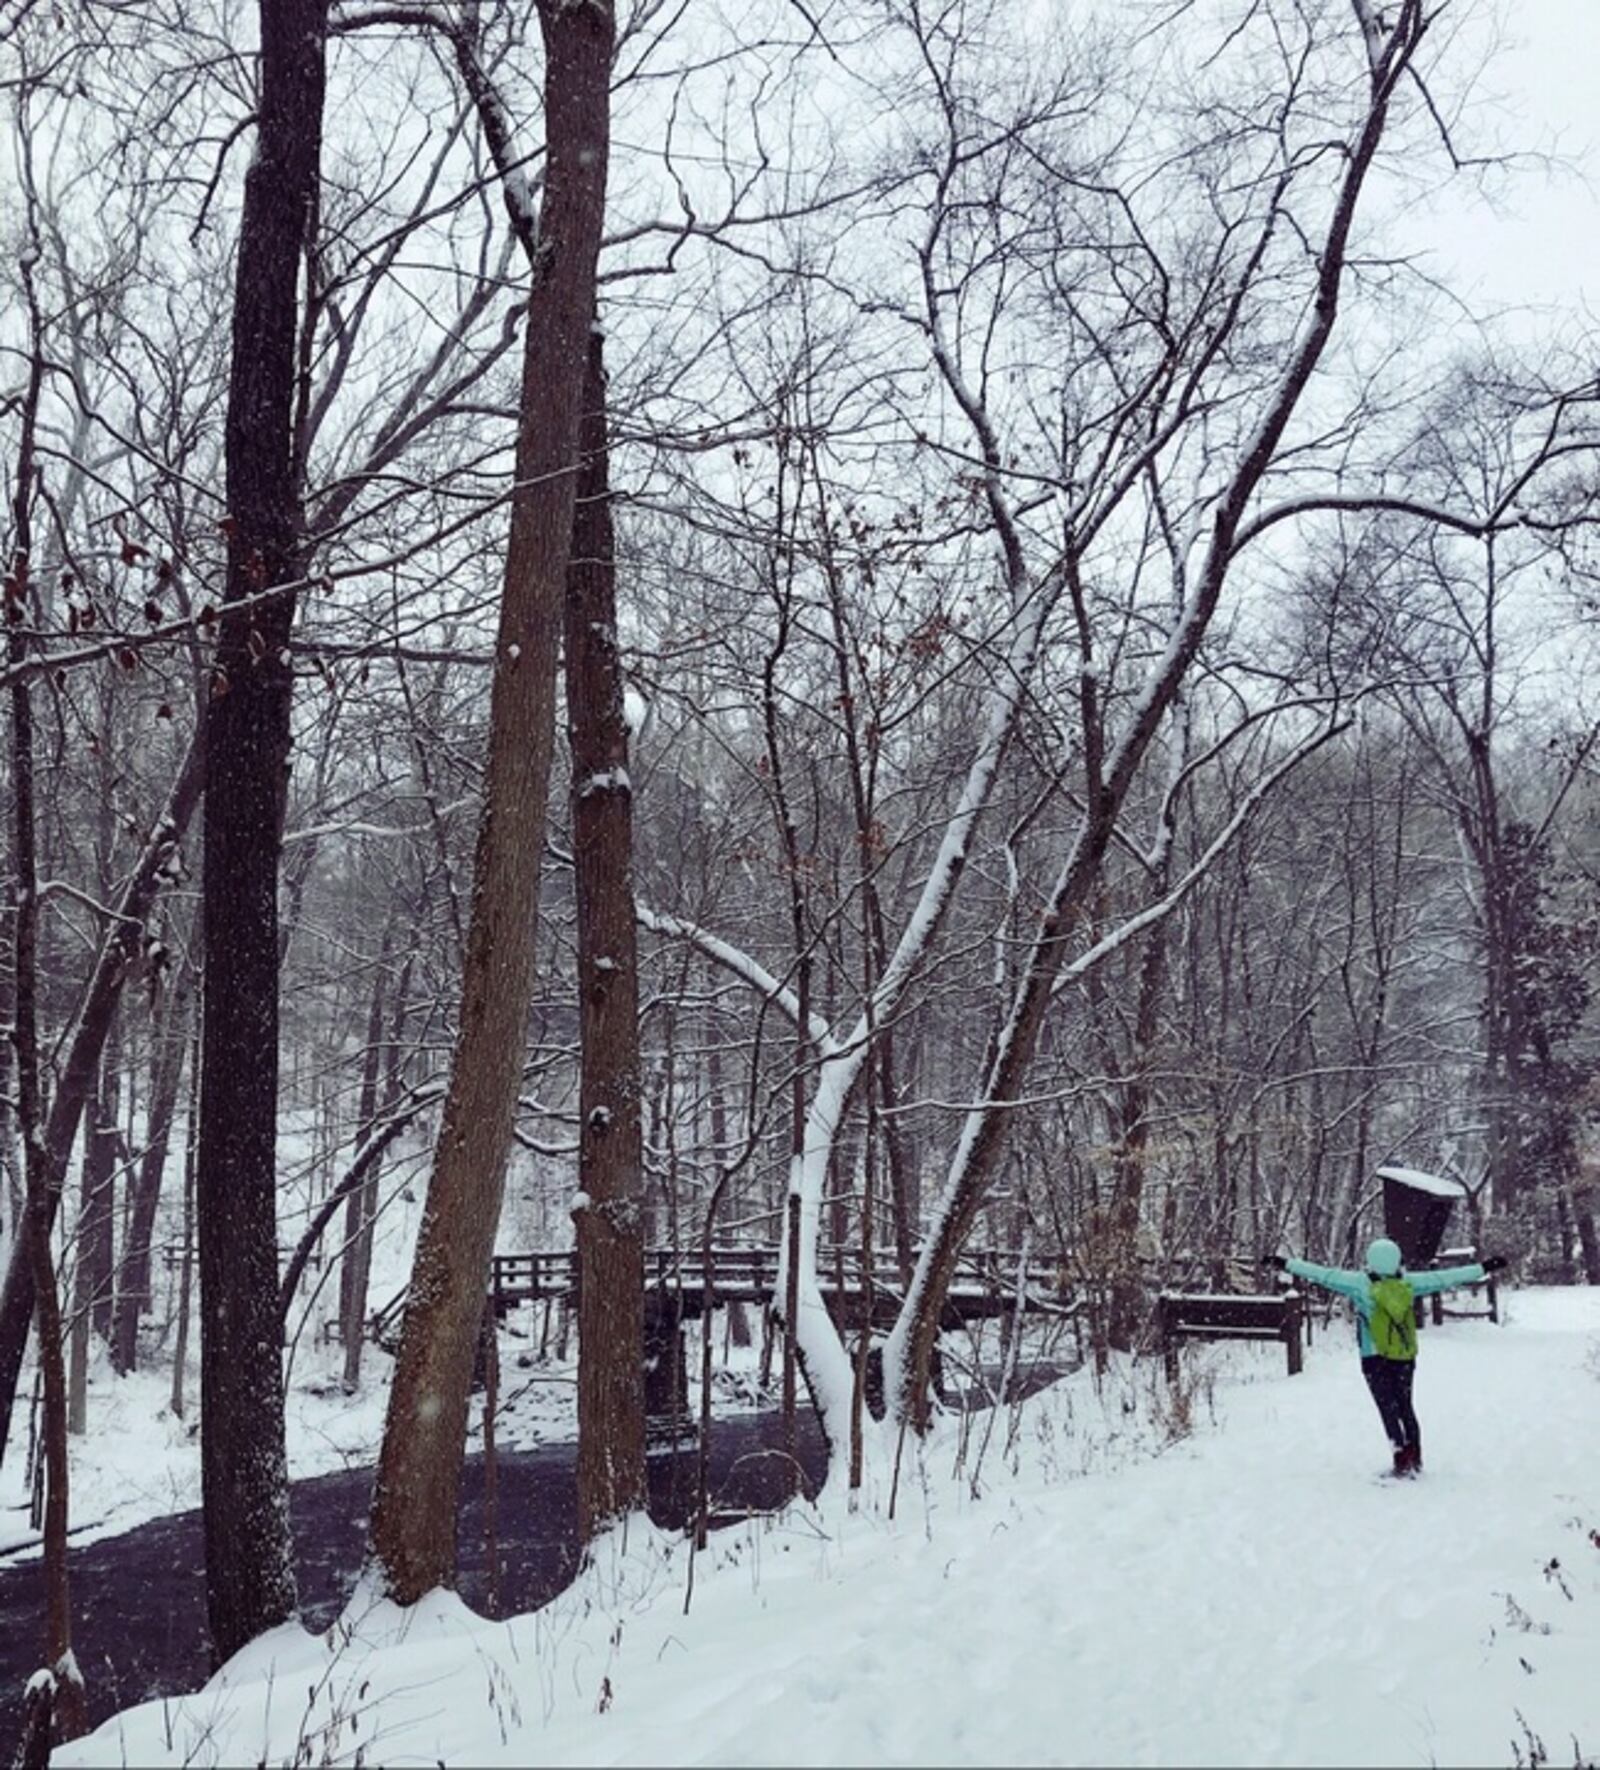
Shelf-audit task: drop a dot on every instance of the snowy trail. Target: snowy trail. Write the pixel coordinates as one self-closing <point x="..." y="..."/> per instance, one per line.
<point x="1252" y="1595"/>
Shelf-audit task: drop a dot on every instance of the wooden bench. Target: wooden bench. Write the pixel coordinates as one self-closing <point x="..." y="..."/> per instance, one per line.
<point x="1201" y="1316"/>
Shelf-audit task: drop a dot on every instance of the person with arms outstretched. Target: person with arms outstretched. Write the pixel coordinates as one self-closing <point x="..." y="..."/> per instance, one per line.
<point x="1384" y="1295"/>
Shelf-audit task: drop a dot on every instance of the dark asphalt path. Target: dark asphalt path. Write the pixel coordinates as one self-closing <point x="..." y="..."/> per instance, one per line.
<point x="138" y="1600"/>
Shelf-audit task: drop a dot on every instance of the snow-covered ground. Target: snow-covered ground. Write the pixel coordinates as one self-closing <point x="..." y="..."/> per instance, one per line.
<point x="1098" y="1592"/>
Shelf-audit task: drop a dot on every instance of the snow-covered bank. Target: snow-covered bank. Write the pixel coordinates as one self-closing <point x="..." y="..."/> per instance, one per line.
<point x="1252" y="1594"/>
<point x="141" y="1462"/>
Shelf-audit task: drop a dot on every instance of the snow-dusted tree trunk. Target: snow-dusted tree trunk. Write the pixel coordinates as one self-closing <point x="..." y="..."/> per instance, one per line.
<point x="840" y="1061"/>
<point x="92" y="1280"/>
<point x="249" y="1569"/>
<point x="63" y="1681"/>
<point x="414" y="1506"/>
<point x="908" y="1357"/>
<point x="361" y="1203"/>
<point x="608" y="1219"/>
<point x="840" y="1056"/>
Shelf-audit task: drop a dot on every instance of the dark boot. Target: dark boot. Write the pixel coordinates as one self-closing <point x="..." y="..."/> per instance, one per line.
<point x="1402" y="1461"/>
<point x="1413" y="1456"/>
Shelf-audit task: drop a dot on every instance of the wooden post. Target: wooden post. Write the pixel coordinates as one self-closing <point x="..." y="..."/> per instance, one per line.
<point x="1169" y="1339"/>
<point x="1494" y="1299"/>
<point x="1292" y="1312"/>
<point x="657" y="1361"/>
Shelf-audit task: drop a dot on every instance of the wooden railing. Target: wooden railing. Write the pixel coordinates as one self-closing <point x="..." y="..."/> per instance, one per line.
<point x="750" y="1271"/>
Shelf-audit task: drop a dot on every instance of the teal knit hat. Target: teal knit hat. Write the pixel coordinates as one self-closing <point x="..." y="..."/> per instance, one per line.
<point x="1383" y="1258"/>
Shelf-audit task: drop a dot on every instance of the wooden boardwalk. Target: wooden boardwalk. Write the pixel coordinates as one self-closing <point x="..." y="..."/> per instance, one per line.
<point x="986" y="1284"/>
<point x="677" y="1281"/>
<point x="679" y="1284"/>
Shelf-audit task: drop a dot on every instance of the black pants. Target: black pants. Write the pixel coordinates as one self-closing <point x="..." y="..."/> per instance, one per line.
<point x="1389" y="1379"/>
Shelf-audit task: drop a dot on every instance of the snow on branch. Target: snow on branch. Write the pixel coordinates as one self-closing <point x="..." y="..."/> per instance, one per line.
<point x="377" y="832"/>
<point x="48" y="888"/>
<point x="1164" y="905"/>
<point x="938" y="888"/>
<point x="499" y="133"/>
<point x="740" y="963"/>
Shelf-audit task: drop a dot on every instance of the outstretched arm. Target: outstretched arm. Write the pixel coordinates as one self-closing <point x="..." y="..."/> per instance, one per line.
<point x="1448" y="1278"/>
<point x="1337" y="1279"/>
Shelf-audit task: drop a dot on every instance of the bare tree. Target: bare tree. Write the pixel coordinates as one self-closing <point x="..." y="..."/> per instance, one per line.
<point x="1113" y="761"/>
<point x="65" y="1681"/>
<point x="607" y="1211"/>
<point x="413" y="1520"/>
<point x="249" y="1572"/>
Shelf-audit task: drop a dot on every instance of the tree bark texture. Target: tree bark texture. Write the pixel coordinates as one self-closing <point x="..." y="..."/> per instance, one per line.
<point x="414" y="1505"/>
<point x="610" y="1233"/>
<point x="249" y="1573"/>
<point x="180" y="1345"/>
<point x="1588" y="1240"/>
<point x="1126" y="1298"/>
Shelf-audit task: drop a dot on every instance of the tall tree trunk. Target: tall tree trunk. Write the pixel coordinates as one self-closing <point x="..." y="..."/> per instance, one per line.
<point x="34" y="1243"/>
<point x="1588" y="1240"/>
<point x="133" y="1280"/>
<point x="70" y="1708"/>
<point x="360" y="1256"/>
<point x="896" y="1161"/>
<point x="1126" y="1301"/>
<point x="414" y="1505"/>
<point x="610" y="1238"/>
<point x="249" y="1572"/>
<point x="99" y="1236"/>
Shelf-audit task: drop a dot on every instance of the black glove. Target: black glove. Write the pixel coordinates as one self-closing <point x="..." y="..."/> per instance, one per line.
<point x="1495" y="1263"/>
<point x="1279" y="1262"/>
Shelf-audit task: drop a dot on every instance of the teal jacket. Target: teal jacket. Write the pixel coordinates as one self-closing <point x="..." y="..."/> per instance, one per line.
<point x="1358" y="1288"/>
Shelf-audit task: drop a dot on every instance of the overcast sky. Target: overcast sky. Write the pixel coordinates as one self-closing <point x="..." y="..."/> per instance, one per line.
<point x="1538" y="240"/>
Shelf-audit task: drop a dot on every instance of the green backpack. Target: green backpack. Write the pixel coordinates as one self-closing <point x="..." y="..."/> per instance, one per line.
<point x="1393" y="1324"/>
